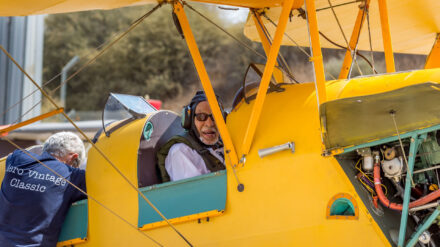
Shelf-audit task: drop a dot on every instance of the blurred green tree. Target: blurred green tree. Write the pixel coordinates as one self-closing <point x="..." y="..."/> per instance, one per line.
<point x="152" y="59"/>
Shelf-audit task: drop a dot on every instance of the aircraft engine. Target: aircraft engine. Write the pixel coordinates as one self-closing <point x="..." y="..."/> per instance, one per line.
<point x="381" y="170"/>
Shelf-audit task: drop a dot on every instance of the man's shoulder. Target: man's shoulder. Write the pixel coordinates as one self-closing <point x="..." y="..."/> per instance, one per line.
<point x="179" y="148"/>
<point x="180" y="138"/>
<point x="19" y="157"/>
<point x="173" y="141"/>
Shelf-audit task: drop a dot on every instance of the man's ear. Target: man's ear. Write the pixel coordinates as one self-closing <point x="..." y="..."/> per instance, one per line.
<point x="74" y="156"/>
<point x="73" y="161"/>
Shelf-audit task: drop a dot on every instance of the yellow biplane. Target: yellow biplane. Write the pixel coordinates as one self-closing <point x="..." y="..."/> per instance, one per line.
<point x="351" y="161"/>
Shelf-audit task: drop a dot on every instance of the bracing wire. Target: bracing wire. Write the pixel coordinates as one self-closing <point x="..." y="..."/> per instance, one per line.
<point x="243" y="44"/>
<point x="280" y="57"/>
<point x="345" y="38"/>
<point x="336" y="44"/>
<point x="281" y="61"/>
<point x="288" y="36"/>
<point x="82" y="191"/>
<point x="371" y="44"/>
<point x="238" y="40"/>
<point x="343" y="47"/>
<point x="95" y="147"/>
<point x="337" y="20"/>
<point x="338" y="5"/>
<point x="353" y="57"/>
<point x="105" y="45"/>
<point x="393" y="116"/>
<point x="332" y="76"/>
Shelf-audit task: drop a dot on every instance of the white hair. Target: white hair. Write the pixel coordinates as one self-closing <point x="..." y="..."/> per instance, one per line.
<point x="63" y="143"/>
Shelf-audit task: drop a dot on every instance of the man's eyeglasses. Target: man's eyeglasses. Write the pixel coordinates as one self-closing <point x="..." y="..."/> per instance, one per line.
<point x="203" y="117"/>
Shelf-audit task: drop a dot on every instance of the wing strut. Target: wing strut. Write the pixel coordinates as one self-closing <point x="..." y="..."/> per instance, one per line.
<point x="433" y="60"/>
<point x="316" y="58"/>
<point x="206" y="83"/>
<point x="386" y="36"/>
<point x="86" y="137"/>
<point x="29" y="121"/>
<point x="268" y="69"/>
<point x="346" y="65"/>
<point x="266" y="41"/>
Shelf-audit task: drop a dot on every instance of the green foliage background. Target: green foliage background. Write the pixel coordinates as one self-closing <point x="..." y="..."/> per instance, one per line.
<point x="152" y="59"/>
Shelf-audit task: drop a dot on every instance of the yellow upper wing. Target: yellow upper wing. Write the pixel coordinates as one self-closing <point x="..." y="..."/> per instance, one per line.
<point x="37" y="7"/>
<point x="413" y="25"/>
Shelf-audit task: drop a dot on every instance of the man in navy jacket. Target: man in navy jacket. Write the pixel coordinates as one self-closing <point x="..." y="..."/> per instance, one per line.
<point x="34" y="200"/>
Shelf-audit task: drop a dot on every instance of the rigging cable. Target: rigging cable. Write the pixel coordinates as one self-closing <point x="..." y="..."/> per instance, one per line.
<point x="80" y="190"/>
<point x="338" y="5"/>
<point x="353" y="58"/>
<point x="105" y="46"/>
<point x="371" y="44"/>
<point x="236" y="39"/>
<point x="280" y="59"/>
<point x="325" y="37"/>
<point x="339" y="24"/>
<point x="302" y="14"/>
<point x="393" y="116"/>
<point x="226" y="32"/>
<point x="345" y="38"/>
<point x="290" y="38"/>
<point x="95" y="147"/>
<point x="343" y="47"/>
<point x="298" y="46"/>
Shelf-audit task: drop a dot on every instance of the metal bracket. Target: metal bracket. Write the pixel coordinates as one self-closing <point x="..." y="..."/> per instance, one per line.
<point x="268" y="151"/>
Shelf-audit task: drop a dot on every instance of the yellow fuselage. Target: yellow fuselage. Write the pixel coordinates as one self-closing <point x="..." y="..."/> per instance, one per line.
<point x="286" y="194"/>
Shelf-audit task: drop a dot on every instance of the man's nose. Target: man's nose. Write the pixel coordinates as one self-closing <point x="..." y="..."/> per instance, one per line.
<point x="210" y="121"/>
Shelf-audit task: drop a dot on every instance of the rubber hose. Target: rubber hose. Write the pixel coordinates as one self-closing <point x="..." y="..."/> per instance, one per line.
<point x="384" y="200"/>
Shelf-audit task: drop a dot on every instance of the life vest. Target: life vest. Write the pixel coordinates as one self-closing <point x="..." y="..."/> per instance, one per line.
<point x="212" y="163"/>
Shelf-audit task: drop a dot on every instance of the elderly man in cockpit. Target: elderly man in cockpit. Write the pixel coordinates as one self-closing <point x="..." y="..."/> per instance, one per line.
<point x="197" y="151"/>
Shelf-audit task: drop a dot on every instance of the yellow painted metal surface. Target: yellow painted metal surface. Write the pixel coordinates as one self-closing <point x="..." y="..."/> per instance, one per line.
<point x="29" y="121"/>
<point x="379" y="83"/>
<point x="29" y="7"/>
<point x="413" y="25"/>
<point x="262" y="33"/>
<point x="178" y="220"/>
<point x="433" y="60"/>
<point x="286" y="194"/>
<point x="386" y="36"/>
<point x="2" y="168"/>
<point x="342" y="217"/>
<point x="108" y="187"/>
<point x="317" y="59"/>
<point x="206" y="83"/>
<point x="267" y="74"/>
<point x="360" y="20"/>
<point x="71" y="242"/>
<point x="263" y="39"/>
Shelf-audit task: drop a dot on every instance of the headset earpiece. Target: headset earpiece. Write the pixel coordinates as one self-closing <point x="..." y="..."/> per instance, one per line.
<point x="187" y="111"/>
<point x="186" y="117"/>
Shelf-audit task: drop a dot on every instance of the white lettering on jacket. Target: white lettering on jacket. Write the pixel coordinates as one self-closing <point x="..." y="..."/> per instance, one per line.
<point x="17" y="183"/>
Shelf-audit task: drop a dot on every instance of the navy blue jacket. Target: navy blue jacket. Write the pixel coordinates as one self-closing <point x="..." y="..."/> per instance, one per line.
<point x="34" y="201"/>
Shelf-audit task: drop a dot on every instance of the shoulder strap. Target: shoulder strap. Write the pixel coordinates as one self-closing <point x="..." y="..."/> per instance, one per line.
<point x="211" y="162"/>
<point x="163" y="153"/>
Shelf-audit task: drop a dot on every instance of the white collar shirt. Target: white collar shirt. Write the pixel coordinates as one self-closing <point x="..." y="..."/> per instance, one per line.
<point x="184" y="162"/>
